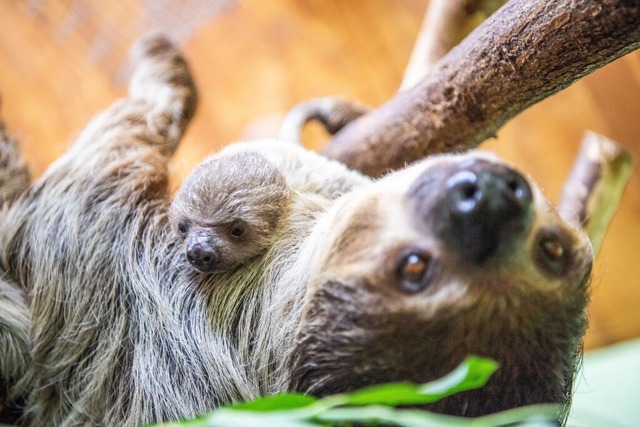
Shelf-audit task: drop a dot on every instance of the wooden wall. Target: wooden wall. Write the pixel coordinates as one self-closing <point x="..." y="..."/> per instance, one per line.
<point x="253" y="60"/>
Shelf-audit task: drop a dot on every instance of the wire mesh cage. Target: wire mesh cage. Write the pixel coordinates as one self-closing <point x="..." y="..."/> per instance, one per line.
<point x="105" y="30"/>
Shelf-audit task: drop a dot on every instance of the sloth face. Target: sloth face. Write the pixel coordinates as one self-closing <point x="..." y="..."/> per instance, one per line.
<point x="455" y="256"/>
<point x="227" y="210"/>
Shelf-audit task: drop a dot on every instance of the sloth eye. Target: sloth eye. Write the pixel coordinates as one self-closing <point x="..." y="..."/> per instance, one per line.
<point x="237" y="230"/>
<point x="183" y="228"/>
<point x="415" y="272"/>
<point x="552" y="253"/>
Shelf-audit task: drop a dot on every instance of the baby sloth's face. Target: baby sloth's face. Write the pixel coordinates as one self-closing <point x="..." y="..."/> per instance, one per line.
<point x="227" y="211"/>
<point x="455" y="256"/>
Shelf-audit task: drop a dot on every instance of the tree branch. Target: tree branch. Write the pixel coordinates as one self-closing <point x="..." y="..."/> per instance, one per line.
<point x="526" y="51"/>
<point x="592" y="191"/>
<point x="445" y="24"/>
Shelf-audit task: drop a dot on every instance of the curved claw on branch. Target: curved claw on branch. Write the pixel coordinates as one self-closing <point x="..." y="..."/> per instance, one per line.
<point x="333" y="112"/>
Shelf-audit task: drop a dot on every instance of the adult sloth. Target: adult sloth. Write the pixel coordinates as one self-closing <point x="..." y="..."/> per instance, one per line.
<point x="397" y="279"/>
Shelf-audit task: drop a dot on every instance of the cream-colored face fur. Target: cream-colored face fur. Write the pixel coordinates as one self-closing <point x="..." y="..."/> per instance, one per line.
<point x="373" y="228"/>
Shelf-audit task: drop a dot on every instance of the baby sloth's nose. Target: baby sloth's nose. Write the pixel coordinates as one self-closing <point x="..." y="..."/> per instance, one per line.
<point x="202" y="256"/>
<point x="490" y="207"/>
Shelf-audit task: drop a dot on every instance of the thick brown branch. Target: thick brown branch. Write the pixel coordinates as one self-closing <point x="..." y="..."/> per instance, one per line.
<point x="526" y="51"/>
<point x="445" y="24"/>
<point x="593" y="189"/>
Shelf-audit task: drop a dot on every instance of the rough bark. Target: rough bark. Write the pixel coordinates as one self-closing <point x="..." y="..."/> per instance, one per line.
<point x="445" y="24"/>
<point x="526" y="51"/>
<point x="592" y="191"/>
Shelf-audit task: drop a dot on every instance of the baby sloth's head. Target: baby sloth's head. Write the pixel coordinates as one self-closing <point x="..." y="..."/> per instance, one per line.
<point x="227" y="210"/>
<point x="455" y="256"/>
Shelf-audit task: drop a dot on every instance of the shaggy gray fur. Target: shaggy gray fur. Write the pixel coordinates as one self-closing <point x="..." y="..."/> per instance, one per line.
<point x="124" y="331"/>
<point x="14" y="313"/>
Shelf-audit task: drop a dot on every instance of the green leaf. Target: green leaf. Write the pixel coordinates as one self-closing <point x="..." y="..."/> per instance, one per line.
<point x="538" y="416"/>
<point x="282" y="401"/>
<point x="227" y="417"/>
<point x="297" y="410"/>
<point x="474" y="372"/>
<point x="239" y="418"/>
<point x="385" y="415"/>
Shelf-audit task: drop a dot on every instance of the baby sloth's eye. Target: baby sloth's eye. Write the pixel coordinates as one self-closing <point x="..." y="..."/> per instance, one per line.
<point x="237" y="230"/>
<point x="183" y="228"/>
<point x="415" y="271"/>
<point x="552" y="253"/>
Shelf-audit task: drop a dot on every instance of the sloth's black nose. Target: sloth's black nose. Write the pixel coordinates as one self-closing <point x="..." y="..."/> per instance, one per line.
<point x="202" y="256"/>
<point x="490" y="206"/>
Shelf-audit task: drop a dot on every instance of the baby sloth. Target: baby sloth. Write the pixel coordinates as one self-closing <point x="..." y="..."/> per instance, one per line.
<point x="228" y="209"/>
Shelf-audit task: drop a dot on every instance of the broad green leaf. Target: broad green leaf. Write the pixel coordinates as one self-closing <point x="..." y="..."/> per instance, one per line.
<point x="372" y="406"/>
<point x="276" y="402"/>
<point x="474" y="372"/>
